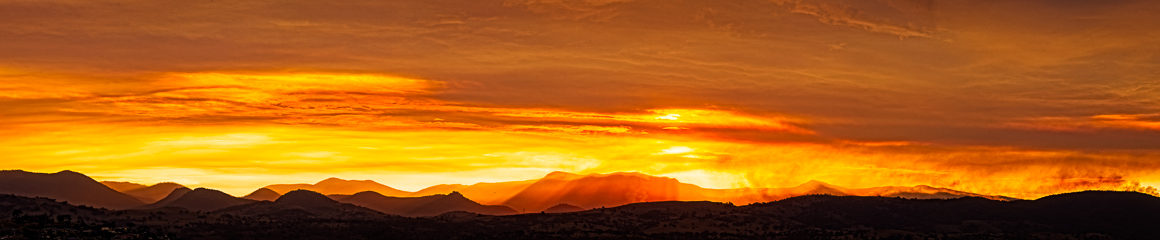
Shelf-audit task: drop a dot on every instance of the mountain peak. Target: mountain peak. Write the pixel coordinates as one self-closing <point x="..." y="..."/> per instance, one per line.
<point x="206" y="193"/>
<point x="305" y="198"/>
<point x="340" y="186"/>
<point x="263" y="194"/>
<point x="202" y="190"/>
<point x="332" y="180"/>
<point x="456" y="195"/>
<point x="561" y="175"/>
<point x="72" y="174"/>
<point x="818" y="187"/>
<point x="14" y="171"/>
<point x="200" y="199"/>
<point x="815" y="184"/>
<point x="68" y="172"/>
<point x="563" y="208"/>
<point x="335" y="180"/>
<point x="65" y="185"/>
<point x="367" y="194"/>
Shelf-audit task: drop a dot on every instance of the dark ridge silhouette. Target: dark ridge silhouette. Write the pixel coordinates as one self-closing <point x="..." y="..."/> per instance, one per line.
<point x="122" y="186"/>
<point x="299" y="204"/>
<point x="263" y="194"/>
<point x="423" y="206"/>
<point x="1117" y="213"/>
<point x="200" y="199"/>
<point x="67" y="186"/>
<point x="152" y="194"/>
<point x="340" y="186"/>
<point x="585" y="191"/>
<point x="689" y="192"/>
<point x="920" y="192"/>
<point x="306" y="198"/>
<point x="1107" y="211"/>
<point x="563" y="208"/>
<point x="302" y="214"/>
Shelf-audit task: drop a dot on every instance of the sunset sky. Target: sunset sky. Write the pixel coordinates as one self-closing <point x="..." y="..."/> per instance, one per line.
<point x="1016" y="98"/>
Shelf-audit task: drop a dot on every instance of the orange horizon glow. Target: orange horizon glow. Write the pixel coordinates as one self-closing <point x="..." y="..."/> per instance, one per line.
<point x="1015" y="99"/>
<point x="416" y="152"/>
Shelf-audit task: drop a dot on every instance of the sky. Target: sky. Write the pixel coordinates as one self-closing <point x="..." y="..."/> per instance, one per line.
<point x="1016" y="98"/>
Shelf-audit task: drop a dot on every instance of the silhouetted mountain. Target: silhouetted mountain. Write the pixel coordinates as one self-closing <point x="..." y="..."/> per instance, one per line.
<point x="122" y="186"/>
<point x="146" y="194"/>
<point x="200" y="199"/>
<point x="563" y="208"/>
<point x="422" y="206"/>
<point x="301" y="203"/>
<point x="340" y="186"/>
<point x="67" y="186"/>
<point x="592" y="191"/>
<point x="585" y="191"/>
<point x="493" y="193"/>
<point x="922" y="192"/>
<point x="152" y="194"/>
<point x="689" y="192"/>
<point x="815" y="187"/>
<point x="1120" y="213"/>
<point x="263" y="194"/>
<point x="439" y="189"/>
<point x="1115" y="213"/>
<point x="169" y="199"/>
<point x="306" y="199"/>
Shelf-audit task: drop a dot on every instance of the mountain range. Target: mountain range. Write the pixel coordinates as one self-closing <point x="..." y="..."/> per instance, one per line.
<point x="303" y="214"/>
<point x="555" y="192"/>
<point x="422" y="206"/>
<point x="200" y="199"/>
<point x="615" y="189"/>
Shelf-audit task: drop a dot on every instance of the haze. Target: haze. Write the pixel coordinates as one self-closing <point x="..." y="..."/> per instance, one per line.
<point x="1014" y="98"/>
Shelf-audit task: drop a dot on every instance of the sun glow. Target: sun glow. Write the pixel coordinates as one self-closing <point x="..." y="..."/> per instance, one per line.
<point x="677" y="150"/>
<point x="671" y="116"/>
<point x="239" y="131"/>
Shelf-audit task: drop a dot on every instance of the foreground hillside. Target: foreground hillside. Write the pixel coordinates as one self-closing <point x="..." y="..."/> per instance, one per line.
<point x="1082" y="215"/>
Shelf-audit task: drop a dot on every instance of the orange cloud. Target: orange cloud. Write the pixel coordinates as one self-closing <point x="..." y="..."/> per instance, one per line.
<point x="1140" y="122"/>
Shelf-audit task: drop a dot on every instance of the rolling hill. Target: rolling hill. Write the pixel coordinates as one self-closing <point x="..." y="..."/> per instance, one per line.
<point x="263" y="194"/>
<point x="301" y="204"/>
<point x="200" y="199"/>
<point x="422" y="206"/>
<point x="340" y="186"/>
<point x="67" y="186"/>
